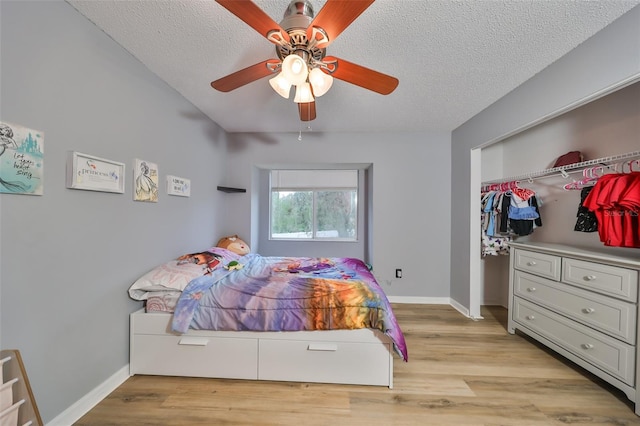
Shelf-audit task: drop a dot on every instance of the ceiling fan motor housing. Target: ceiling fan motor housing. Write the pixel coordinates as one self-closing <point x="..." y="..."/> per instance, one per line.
<point x="297" y="18"/>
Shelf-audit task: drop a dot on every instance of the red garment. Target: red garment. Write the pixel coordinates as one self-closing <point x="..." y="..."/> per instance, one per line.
<point x="615" y="201"/>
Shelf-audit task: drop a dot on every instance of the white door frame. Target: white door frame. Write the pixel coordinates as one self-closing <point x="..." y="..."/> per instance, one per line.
<point x="475" y="275"/>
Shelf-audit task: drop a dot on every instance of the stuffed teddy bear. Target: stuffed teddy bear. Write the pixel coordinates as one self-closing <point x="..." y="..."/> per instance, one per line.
<point x="235" y="244"/>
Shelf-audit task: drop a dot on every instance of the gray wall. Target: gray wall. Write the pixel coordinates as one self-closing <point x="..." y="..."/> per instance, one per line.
<point x="409" y="227"/>
<point x="69" y="256"/>
<point x="609" y="58"/>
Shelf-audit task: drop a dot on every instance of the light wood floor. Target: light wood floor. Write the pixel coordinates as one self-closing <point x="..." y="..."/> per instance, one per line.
<point x="460" y="372"/>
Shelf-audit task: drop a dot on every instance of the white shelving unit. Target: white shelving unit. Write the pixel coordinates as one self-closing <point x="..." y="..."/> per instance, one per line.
<point x="17" y="404"/>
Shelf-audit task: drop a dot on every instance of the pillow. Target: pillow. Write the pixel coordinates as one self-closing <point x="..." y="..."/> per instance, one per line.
<point x="171" y="275"/>
<point x="177" y="273"/>
<point x="234" y="244"/>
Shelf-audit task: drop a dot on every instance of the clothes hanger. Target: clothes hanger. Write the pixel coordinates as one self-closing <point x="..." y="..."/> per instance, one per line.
<point x="589" y="177"/>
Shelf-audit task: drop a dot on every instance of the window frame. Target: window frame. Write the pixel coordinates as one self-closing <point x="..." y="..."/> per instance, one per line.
<point x="314" y="219"/>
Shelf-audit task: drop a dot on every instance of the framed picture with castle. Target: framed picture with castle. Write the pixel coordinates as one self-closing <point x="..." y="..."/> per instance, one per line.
<point x="21" y="160"/>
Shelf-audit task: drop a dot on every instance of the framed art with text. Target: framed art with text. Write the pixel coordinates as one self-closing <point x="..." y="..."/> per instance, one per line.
<point x="94" y="173"/>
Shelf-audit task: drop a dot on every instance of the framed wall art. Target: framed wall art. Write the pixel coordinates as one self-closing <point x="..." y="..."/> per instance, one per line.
<point x="145" y="182"/>
<point x="94" y="173"/>
<point x="178" y="186"/>
<point x="21" y="160"/>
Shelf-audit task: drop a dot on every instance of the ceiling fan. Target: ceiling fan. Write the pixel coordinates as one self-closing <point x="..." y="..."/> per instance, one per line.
<point x="301" y="40"/>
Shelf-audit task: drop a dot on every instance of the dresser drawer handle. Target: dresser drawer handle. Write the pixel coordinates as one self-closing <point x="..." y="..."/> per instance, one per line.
<point x="531" y="263"/>
<point x="590" y="278"/>
<point x="587" y="346"/>
<point x="531" y="289"/>
<point x="530" y="317"/>
<point x="588" y="310"/>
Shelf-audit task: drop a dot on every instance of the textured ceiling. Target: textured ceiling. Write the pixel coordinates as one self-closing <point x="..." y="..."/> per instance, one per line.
<point x="453" y="58"/>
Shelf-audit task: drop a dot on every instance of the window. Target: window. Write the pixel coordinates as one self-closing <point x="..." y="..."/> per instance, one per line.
<point x="314" y="205"/>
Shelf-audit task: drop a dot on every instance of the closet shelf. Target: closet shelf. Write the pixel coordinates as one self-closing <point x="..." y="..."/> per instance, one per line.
<point x="229" y="189"/>
<point x="561" y="170"/>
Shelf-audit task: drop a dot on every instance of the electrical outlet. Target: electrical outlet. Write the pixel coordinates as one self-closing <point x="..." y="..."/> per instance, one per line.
<point x="398" y="273"/>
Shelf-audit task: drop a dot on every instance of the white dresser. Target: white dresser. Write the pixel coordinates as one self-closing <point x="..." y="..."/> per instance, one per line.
<point x="581" y="303"/>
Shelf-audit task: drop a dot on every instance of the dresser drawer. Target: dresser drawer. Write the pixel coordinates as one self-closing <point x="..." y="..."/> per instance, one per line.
<point x="611" y="316"/>
<point x="541" y="264"/>
<point x="604" y="352"/>
<point x="333" y="362"/>
<point x="195" y="356"/>
<point x="606" y="279"/>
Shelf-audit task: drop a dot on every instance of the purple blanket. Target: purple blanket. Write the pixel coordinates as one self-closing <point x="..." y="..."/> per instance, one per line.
<point x="288" y="294"/>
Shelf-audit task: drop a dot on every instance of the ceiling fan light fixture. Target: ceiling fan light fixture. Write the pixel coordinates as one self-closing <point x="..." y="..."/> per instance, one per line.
<point x="281" y="85"/>
<point x="303" y="94"/>
<point x="295" y="69"/>
<point x="320" y="81"/>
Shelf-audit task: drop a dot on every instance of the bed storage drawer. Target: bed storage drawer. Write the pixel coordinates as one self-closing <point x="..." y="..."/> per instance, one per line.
<point x="196" y="356"/>
<point x="604" y="352"/>
<point x="334" y="362"/>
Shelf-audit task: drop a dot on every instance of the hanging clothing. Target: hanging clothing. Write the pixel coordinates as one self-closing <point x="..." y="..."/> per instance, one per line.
<point x="523" y="215"/>
<point x="495" y="246"/>
<point x="493" y="242"/>
<point x="586" y="219"/>
<point x="506" y="214"/>
<point x="615" y="201"/>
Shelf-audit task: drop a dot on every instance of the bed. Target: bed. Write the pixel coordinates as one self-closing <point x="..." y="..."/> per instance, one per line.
<point x="220" y="314"/>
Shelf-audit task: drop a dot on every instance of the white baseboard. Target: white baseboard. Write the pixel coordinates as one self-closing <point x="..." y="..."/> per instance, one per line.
<point x="420" y="300"/>
<point x="90" y="400"/>
<point x="460" y="308"/>
<point x="433" y="301"/>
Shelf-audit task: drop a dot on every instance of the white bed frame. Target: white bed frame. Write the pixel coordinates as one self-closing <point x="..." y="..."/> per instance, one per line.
<point x="362" y="357"/>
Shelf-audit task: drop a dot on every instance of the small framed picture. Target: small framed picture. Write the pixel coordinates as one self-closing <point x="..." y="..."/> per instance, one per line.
<point x="21" y="160"/>
<point x="145" y="181"/>
<point x="178" y="186"/>
<point x="94" y="173"/>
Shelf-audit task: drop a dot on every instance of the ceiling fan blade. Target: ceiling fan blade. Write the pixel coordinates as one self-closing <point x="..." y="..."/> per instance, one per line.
<point x="335" y="17"/>
<point x="256" y="18"/>
<point x="245" y="76"/>
<point x="361" y="76"/>
<point x="307" y="111"/>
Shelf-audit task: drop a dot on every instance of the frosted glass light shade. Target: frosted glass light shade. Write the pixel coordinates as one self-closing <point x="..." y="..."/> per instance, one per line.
<point x="303" y="93"/>
<point x="295" y="69"/>
<point x="281" y="85"/>
<point x="320" y="82"/>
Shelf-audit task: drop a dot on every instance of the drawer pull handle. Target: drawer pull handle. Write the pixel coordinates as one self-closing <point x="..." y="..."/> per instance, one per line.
<point x="531" y="289"/>
<point x="590" y="278"/>
<point x="587" y="346"/>
<point x="530" y="317"/>
<point x="588" y="310"/>
<point x="194" y="341"/>
<point x="324" y="347"/>
<point x="531" y="263"/>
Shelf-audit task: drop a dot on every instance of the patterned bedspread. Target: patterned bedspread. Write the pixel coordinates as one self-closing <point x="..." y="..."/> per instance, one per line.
<point x="288" y="294"/>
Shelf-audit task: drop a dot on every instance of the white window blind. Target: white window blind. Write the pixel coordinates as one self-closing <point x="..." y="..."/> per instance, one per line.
<point x="282" y="180"/>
